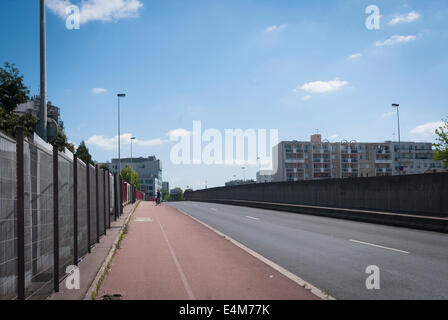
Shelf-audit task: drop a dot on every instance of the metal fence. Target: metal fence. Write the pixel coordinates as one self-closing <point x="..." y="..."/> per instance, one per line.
<point x="53" y="209"/>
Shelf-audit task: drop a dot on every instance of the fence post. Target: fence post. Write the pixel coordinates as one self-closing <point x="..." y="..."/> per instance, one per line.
<point x="121" y="195"/>
<point x="108" y="199"/>
<point x="97" y="206"/>
<point x="55" y="219"/>
<point x="104" y="201"/>
<point x="115" y="197"/>
<point x="75" y="210"/>
<point x="20" y="216"/>
<point x="89" y="240"/>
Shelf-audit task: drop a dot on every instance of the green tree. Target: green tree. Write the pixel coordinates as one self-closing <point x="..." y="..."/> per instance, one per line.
<point x="127" y="172"/>
<point x="60" y="141"/>
<point x="12" y="93"/>
<point x="71" y="147"/>
<point x="83" y="153"/>
<point x="9" y="123"/>
<point x="104" y="166"/>
<point x="12" y="89"/>
<point x="177" y="195"/>
<point x="442" y="144"/>
<point x="166" y="195"/>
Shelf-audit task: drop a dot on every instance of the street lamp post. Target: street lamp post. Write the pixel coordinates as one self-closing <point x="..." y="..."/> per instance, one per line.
<point x="244" y="173"/>
<point x="396" y="105"/>
<point x="120" y="95"/>
<point x="43" y="75"/>
<point x="132" y="182"/>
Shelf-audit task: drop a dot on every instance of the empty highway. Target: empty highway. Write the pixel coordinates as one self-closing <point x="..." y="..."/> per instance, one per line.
<point x="333" y="254"/>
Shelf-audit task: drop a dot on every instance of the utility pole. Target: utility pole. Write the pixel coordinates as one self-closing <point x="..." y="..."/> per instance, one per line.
<point x="120" y="95"/>
<point x="396" y="105"/>
<point x="132" y="181"/>
<point x="43" y="74"/>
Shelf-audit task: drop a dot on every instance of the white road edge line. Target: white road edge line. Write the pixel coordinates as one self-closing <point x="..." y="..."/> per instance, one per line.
<point x="213" y="209"/>
<point x="314" y="290"/>
<point x="252" y="218"/>
<point x="378" y="246"/>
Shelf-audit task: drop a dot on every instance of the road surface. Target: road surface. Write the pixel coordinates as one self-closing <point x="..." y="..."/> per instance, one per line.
<point x="333" y="254"/>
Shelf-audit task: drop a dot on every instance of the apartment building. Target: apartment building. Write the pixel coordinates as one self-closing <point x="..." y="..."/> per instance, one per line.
<point x="149" y="172"/>
<point x="317" y="159"/>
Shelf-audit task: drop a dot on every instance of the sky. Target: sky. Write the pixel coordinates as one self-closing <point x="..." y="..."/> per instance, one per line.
<point x="300" y="67"/>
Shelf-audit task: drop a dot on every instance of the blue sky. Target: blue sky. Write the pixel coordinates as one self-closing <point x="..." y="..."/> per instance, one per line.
<point x="295" y="66"/>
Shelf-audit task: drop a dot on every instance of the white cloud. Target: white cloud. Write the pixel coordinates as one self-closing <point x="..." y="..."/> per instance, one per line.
<point x="306" y="98"/>
<point x="98" y="10"/>
<point x="177" y="133"/>
<point x="388" y="114"/>
<point x="406" y="18"/>
<point x="99" y="90"/>
<point x="125" y="139"/>
<point x="395" y="40"/>
<point x="275" y="28"/>
<point x="334" y="137"/>
<point x="427" y="129"/>
<point x="322" y="86"/>
<point x="355" y="56"/>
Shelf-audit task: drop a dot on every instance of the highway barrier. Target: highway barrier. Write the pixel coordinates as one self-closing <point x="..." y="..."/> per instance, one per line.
<point x="413" y="201"/>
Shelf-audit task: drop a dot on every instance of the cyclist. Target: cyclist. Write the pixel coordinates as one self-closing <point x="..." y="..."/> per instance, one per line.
<point x="159" y="198"/>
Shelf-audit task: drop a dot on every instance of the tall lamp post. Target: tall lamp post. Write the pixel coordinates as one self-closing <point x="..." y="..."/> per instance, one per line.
<point x="120" y="95"/>
<point x="396" y="105"/>
<point x="132" y="182"/>
<point x="43" y="75"/>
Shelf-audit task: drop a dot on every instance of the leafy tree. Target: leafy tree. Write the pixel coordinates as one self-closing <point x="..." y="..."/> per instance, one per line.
<point x="442" y="144"/>
<point x="127" y="172"/>
<point x="12" y="93"/>
<point x="83" y="153"/>
<point x="60" y="141"/>
<point x="178" y="195"/>
<point x="12" y="89"/>
<point x="104" y="166"/>
<point x="9" y="123"/>
<point x="71" y="147"/>
<point x="166" y="195"/>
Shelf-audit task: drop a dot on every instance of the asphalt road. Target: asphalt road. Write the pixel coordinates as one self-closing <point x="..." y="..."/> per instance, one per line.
<point x="333" y="254"/>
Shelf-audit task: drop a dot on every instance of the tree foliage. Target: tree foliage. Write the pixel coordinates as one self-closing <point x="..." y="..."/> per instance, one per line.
<point x="442" y="144"/>
<point x="177" y="195"/>
<point x="104" y="166"/>
<point x="9" y="123"/>
<point x="60" y="141"/>
<point x="127" y="172"/>
<point x="12" y="89"/>
<point x="83" y="153"/>
<point x="12" y="93"/>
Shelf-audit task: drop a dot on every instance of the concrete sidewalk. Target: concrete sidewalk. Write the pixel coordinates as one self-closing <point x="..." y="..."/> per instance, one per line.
<point x="168" y="255"/>
<point x="92" y="263"/>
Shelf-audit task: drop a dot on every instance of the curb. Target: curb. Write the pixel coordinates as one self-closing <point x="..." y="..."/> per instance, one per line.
<point x="103" y="270"/>
<point x="316" y="291"/>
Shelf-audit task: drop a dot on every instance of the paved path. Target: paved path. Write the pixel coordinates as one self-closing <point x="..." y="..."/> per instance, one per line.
<point x="333" y="254"/>
<point x="168" y="255"/>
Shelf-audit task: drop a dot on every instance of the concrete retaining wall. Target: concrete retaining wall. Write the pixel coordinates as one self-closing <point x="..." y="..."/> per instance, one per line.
<point x="423" y="195"/>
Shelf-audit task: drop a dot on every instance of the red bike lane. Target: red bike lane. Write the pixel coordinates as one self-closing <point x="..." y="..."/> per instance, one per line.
<point x="166" y="255"/>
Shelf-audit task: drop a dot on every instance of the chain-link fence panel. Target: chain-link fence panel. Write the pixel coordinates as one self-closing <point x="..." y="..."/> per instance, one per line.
<point x="8" y="218"/>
